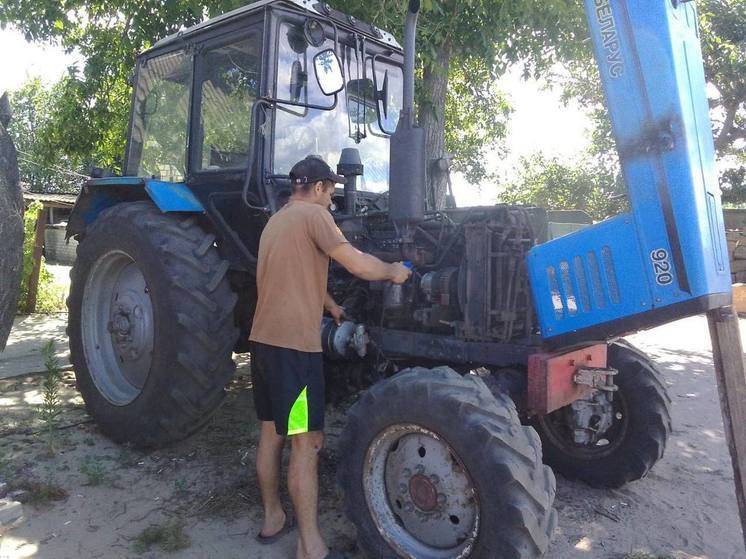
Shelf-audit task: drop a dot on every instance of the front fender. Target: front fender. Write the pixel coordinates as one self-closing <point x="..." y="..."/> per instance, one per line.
<point x="99" y="194"/>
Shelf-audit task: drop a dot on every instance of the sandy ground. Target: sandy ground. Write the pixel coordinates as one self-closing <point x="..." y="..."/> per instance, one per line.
<point x="685" y="508"/>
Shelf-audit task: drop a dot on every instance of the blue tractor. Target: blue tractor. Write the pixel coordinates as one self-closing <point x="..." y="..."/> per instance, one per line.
<point x="503" y="352"/>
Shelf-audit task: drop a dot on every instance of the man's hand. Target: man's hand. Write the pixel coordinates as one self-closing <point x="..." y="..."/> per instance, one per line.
<point x="338" y="313"/>
<point x="399" y="273"/>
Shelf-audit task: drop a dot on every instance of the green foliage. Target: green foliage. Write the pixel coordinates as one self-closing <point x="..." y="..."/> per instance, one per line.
<point x="476" y="114"/>
<point x="90" y="108"/>
<point x="51" y="406"/>
<point x="43" y="166"/>
<point x="555" y="185"/>
<point x="50" y="297"/>
<point x="169" y="536"/>
<point x="95" y="471"/>
<point x="723" y="24"/>
<point x="723" y="37"/>
<point x="474" y="42"/>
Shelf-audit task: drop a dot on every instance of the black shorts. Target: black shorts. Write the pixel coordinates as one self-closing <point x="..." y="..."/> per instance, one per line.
<point x="288" y="388"/>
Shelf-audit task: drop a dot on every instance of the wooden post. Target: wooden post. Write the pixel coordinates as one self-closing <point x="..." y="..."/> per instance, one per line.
<point x="33" y="282"/>
<point x="727" y="353"/>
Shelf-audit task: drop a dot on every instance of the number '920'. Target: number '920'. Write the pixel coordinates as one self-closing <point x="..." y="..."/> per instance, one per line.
<point x="661" y="266"/>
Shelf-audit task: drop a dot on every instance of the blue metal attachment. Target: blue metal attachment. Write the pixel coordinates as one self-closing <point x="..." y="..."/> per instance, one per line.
<point x="173" y="197"/>
<point x="667" y="258"/>
<point x="99" y="194"/>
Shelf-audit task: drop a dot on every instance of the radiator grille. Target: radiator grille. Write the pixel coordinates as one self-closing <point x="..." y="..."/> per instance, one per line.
<point x="589" y="283"/>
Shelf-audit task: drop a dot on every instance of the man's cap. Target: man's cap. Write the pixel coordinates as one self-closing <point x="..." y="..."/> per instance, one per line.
<point x="312" y="169"/>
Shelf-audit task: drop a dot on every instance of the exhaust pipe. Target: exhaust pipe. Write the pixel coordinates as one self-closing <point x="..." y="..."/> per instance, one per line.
<point x="407" y="144"/>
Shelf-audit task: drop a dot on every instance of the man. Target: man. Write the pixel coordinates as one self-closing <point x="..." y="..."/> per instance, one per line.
<point x="286" y="358"/>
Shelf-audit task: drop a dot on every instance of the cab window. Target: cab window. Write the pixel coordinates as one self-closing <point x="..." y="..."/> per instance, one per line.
<point x="160" y="118"/>
<point x="229" y="81"/>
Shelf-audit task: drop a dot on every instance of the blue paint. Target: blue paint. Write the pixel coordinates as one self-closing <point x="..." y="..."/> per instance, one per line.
<point x="671" y="247"/>
<point x="167" y="196"/>
<point x="173" y="196"/>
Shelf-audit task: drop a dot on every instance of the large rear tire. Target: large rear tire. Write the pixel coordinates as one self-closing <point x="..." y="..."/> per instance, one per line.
<point x="151" y="324"/>
<point x="637" y="437"/>
<point x="433" y="466"/>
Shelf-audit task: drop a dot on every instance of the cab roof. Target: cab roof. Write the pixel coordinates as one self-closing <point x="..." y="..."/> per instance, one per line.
<point x="320" y="9"/>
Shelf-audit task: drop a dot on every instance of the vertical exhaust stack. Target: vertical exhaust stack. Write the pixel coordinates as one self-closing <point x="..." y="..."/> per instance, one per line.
<point x="407" y="144"/>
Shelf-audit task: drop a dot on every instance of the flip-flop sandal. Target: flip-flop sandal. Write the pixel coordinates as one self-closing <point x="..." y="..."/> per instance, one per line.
<point x="289" y="526"/>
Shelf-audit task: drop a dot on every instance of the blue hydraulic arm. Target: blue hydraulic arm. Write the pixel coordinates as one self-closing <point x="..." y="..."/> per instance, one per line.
<point x="667" y="258"/>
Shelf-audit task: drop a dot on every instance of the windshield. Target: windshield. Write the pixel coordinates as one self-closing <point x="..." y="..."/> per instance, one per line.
<point x="300" y="131"/>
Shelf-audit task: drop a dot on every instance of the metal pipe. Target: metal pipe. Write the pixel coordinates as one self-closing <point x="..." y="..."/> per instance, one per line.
<point x="410" y="35"/>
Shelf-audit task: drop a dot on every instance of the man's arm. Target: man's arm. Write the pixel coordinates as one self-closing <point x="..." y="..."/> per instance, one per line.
<point x="368" y="267"/>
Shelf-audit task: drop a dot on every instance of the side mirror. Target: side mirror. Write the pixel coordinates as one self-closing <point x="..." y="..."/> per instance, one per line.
<point x="388" y="104"/>
<point x="361" y="101"/>
<point x="328" y="72"/>
<point x="382" y="95"/>
<point x="298" y="81"/>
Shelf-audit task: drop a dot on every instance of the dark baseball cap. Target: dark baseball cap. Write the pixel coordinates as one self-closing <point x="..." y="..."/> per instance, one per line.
<point x="312" y="169"/>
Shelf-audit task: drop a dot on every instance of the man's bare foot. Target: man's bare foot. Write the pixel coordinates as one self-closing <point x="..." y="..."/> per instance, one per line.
<point x="318" y="552"/>
<point x="273" y="524"/>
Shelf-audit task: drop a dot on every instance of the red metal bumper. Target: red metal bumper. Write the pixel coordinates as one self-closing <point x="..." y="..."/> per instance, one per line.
<point x="550" y="377"/>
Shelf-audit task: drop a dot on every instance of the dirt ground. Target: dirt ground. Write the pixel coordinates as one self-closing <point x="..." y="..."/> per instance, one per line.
<point x="203" y="490"/>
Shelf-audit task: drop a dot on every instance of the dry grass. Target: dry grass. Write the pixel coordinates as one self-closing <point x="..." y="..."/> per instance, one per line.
<point x="40" y="493"/>
<point x="169" y="537"/>
<point x="645" y="555"/>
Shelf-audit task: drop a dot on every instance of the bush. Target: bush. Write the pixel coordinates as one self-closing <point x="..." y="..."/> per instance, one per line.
<point x="50" y="296"/>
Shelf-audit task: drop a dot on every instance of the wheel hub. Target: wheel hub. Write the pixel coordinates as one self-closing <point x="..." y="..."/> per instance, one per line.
<point x="428" y="506"/>
<point x="128" y="330"/>
<point x="118" y="327"/>
<point x="423" y="492"/>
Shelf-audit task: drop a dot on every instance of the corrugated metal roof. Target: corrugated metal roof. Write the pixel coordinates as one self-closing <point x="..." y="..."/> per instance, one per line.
<point x="51" y="199"/>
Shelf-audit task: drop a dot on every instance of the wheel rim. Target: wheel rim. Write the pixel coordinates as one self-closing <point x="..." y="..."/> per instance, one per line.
<point x="117" y="327"/>
<point x="420" y="495"/>
<point x="556" y="428"/>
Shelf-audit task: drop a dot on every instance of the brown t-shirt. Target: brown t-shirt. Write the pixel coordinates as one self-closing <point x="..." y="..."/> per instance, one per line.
<point x="291" y="276"/>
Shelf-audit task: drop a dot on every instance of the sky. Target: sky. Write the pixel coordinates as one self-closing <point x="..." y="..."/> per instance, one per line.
<point x="539" y="122"/>
<point x="22" y="60"/>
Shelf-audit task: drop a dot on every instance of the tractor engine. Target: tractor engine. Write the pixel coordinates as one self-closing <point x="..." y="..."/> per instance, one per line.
<point x="469" y="278"/>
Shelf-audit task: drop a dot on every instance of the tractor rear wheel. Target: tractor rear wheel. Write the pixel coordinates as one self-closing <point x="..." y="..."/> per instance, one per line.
<point x="635" y="440"/>
<point x="434" y="466"/>
<point x="150" y="325"/>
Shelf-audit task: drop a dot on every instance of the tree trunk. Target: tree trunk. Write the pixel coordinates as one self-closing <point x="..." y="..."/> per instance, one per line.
<point x="11" y="227"/>
<point x="432" y="118"/>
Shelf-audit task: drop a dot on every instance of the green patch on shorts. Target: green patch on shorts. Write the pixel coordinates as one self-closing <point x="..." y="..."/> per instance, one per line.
<point x="298" y="418"/>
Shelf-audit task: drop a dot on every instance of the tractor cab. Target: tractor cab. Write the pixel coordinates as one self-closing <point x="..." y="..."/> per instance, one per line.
<point x="228" y="106"/>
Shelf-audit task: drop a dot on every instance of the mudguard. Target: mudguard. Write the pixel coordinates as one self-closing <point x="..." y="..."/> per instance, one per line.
<point x="667" y="258"/>
<point x="99" y="194"/>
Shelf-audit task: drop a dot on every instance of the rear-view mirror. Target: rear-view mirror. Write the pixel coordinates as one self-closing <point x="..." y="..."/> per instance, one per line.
<point x="328" y="72"/>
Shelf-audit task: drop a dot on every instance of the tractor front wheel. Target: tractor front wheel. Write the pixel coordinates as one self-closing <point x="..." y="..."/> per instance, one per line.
<point x="151" y="324"/>
<point x="434" y="467"/>
<point x="637" y="432"/>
